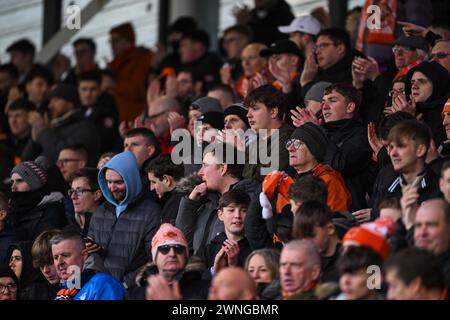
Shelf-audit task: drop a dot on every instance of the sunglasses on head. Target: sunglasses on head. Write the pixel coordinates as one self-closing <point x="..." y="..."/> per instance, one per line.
<point x="177" y="248"/>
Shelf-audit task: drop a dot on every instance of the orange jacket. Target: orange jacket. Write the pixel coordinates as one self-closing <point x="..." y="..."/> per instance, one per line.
<point x="339" y="198"/>
<point x="130" y="70"/>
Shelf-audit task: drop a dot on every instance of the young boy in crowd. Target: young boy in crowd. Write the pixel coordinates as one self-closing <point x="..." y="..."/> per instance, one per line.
<point x="231" y="247"/>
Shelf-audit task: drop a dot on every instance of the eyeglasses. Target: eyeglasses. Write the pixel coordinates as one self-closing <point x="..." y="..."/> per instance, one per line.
<point x="439" y="55"/>
<point x="12" y="287"/>
<point x="79" y="192"/>
<point x="64" y="162"/>
<point x="323" y="45"/>
<point x="177" y="248"/>
<point x="397" y="49"/>
<point x="396" y="92"/>
<point x="294" y="143"/>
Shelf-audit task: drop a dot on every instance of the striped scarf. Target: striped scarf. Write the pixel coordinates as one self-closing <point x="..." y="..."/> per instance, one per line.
<point x="67" y="292"/>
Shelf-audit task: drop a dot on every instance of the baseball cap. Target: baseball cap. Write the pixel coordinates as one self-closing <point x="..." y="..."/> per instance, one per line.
<point x="306" y="24"/>
<point x="281" y="46"/>
<point x="412" y="42"/>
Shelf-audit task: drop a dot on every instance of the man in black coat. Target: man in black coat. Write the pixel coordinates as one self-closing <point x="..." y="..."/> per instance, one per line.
<point x="409" y="142"/>
<point x="348" y="150"/>
<point x="101" y="109"/>
<point x="194" y="54"/>
<point x="164" y="175"/>
<point x="332" y="61"/>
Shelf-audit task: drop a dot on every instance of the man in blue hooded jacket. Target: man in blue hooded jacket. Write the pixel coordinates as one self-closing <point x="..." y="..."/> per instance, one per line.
<point x="122" y="228"/>
<point x="78" y="282"/>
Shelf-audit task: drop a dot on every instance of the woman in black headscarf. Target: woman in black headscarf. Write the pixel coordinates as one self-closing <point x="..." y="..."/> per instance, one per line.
<point x="32" y="284"/>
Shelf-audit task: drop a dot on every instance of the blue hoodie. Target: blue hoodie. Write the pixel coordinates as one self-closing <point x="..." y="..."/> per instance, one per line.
<point x="124" y="164"/>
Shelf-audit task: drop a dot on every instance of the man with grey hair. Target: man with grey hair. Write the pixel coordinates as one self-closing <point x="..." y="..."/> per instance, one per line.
<point x="299" y="270"/>
<point x="441" y="53"/>
<point x="79" y="283"/>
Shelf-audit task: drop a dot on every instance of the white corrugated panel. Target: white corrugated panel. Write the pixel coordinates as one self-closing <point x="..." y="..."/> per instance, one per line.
<point x="299" y="7"/>
<point x="23" y="18"/>
<point x="19" y="18"/>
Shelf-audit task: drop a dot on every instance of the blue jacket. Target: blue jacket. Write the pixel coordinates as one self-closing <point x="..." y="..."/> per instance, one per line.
<point x="101" y="287"/>
<point x="126" y="166"/>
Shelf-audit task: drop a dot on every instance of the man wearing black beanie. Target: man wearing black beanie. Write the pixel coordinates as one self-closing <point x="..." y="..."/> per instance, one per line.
<point x="307" y="148"/>
<point x="236" y="117"/>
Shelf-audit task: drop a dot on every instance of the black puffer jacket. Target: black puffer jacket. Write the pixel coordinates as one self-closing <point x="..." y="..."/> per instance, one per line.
<point x="126" y="240"/>
<point x="192" y="286"/>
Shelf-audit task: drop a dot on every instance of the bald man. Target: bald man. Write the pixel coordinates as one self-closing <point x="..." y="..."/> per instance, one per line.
<point x="232" y="284"/>
<point x="432" y="231"/>
<point x="252" y="62"/>
<point x="157" y="114"/>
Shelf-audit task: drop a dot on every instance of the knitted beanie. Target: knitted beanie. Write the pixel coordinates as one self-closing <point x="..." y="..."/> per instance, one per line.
<point x="315" y="93"/>
<point x="314" y="137"/>
<point x="373" y="235"/>
<point x="206" y="104"/>
<point x="213" y="118"/>
<point x="239" y="110"/>
<point x="33" y="173"/>
<point x="66" y="92"/>
<point x="168" y="234"/>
